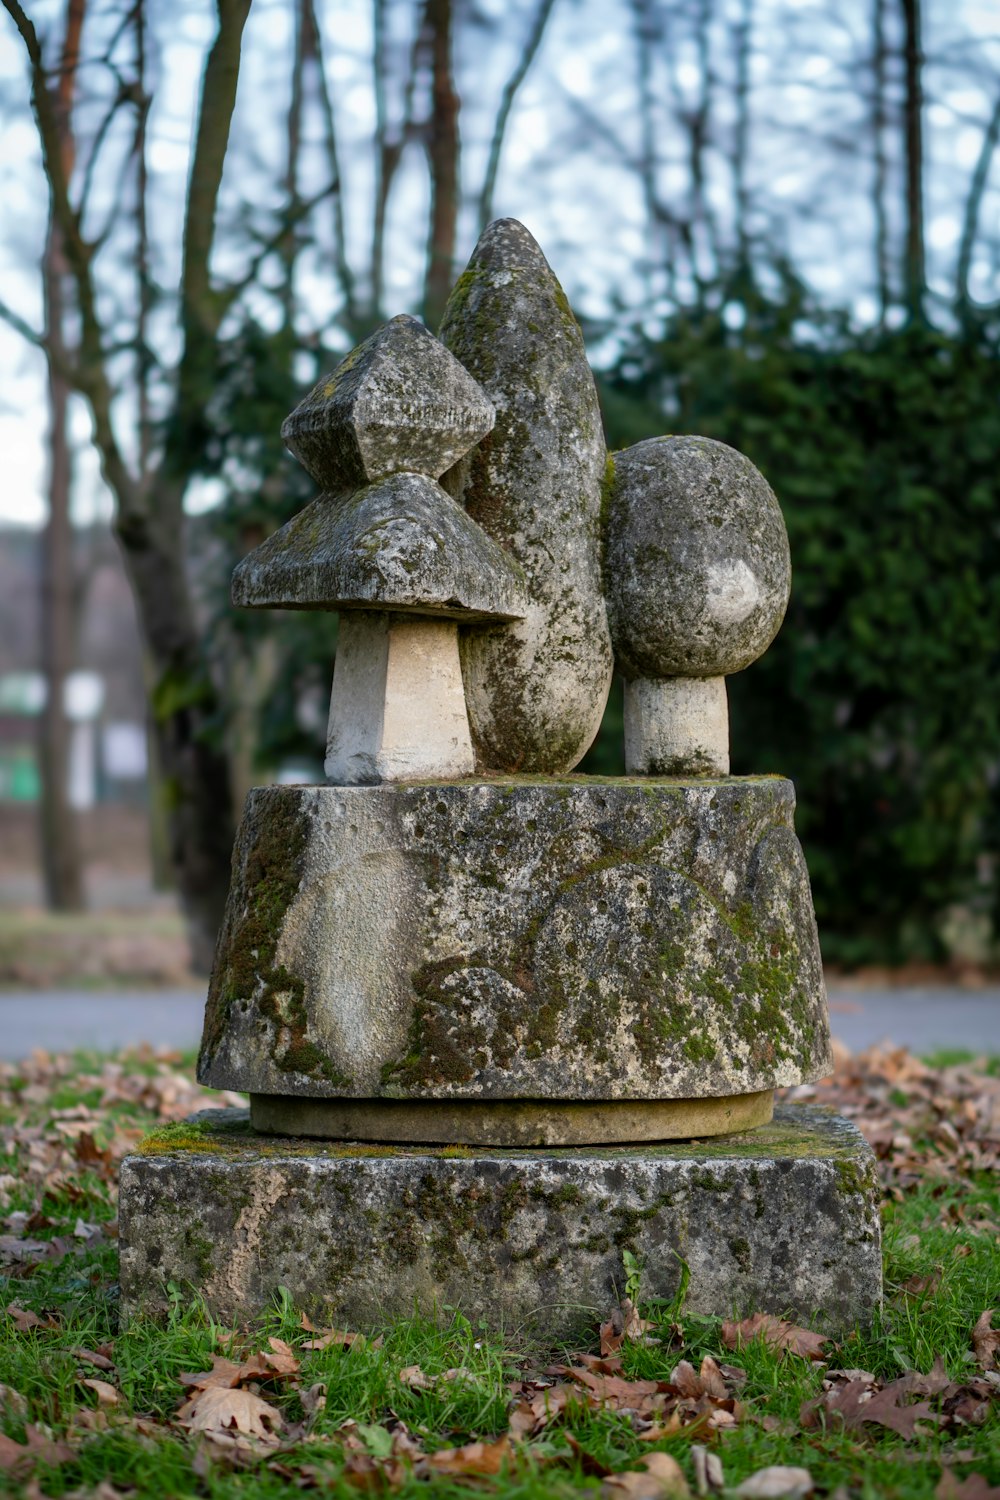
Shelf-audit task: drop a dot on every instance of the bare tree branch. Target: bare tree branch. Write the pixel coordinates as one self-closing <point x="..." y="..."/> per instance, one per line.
<point x="344" y="273"/>
<point x="388" y="146"/>
<point x="973" y="204"/>
<point x="20" y="325"/>
<point x="226" y="296"/>
<point x="122" y="97"/>
<point x="90" y="374"/>
<point x="541" y="18"/>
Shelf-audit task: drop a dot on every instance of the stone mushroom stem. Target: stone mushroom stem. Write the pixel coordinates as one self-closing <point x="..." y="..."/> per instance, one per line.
<point x="676" y="726"/>
<point x="397" y="711"/>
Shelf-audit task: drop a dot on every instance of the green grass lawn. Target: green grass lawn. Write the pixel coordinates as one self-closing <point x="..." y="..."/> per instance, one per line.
<point x="371" y="1416"/>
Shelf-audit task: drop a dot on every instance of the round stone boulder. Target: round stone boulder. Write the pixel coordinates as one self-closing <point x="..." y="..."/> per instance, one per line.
<point x="698" y="567"/>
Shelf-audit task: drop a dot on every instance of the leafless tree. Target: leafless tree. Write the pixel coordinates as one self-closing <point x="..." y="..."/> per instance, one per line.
<point x="61" y="861"/>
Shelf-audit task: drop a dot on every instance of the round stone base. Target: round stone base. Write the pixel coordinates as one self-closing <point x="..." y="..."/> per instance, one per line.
<point x="492" y="942"/>
<point x="511" y="1122"/>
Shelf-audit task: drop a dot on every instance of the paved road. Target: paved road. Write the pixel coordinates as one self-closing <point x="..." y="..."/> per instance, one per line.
<point x="923" y="1019"/>
<point x="59" y="1020"/>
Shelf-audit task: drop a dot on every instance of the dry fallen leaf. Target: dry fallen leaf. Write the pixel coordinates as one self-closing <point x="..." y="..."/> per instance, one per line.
<point x="219" y="1410"/>
<point x="12" y="1403"/>
<point x="777" y="1333"/>
<point x="325" y="1337"/>
<point x="105" y="1393"/>
<point x="24" y="1321"/>
<point x="856" y="1404"/>
<point x="985" y="1341"/>
<point x="972" y="1487"/>
<point x="708" y="1475"/>
<point x="224" y="1373"/>
<point x="96" y="1357"/>
<point x="770" y="1483"/>
<point x="18" y="1458"/>
<point x="473" y="1458"/>
<point x="625" y="1326"/>
<point x="661" y="1478"/>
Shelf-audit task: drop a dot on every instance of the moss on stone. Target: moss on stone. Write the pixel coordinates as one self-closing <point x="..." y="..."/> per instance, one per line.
<point x="267" y="873"/>
<point x="178" y="1135"/>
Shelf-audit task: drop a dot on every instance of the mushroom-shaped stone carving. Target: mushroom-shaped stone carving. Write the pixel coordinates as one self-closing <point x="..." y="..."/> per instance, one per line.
<point x="698" y="577"/>
<point x="390" y="549"/>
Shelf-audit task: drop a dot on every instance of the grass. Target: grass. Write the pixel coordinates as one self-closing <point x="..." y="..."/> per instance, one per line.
<point x="942" y="1269"/>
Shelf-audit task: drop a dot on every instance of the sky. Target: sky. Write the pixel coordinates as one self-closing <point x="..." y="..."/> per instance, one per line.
<point x="808" y="193"/>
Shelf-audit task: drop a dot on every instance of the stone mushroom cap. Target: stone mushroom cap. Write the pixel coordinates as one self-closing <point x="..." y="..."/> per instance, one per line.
<point x="698" y="567"/>
<point x="401" y="544"/>
<point x="398" y="403"/>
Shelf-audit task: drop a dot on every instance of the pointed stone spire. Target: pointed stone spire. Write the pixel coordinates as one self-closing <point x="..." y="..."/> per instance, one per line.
<point x="536" y="689"/>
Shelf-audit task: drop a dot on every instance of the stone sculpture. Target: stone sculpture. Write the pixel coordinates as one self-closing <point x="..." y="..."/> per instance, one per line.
<point x="487" y="1006"/>
<point x="537" y="690"/>
<point x="698" y="577"/>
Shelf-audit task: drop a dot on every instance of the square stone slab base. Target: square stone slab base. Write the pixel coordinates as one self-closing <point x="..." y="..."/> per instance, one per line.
<point x="783" y="1219"/>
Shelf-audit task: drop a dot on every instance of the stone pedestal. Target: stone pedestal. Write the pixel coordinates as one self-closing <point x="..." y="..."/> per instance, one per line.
<point x="783" y="1219"/>
<point x="537" y="945"/>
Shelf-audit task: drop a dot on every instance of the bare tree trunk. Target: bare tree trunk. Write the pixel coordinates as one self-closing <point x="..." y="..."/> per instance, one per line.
<point x="879" y="60"/>
<point x="191" y="750"/>
<point x="973" y="204"/>
<point x="61" y="860"/>
<point x="914" y="268"/>
<point x="149" y="518"/>
<point x="443" y="157"/>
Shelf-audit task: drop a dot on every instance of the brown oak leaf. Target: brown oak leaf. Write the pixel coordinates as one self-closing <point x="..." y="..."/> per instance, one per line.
<point x="225" y="1373"/>
<point x="660" y="1478"/>
<point x="24" y="1320"/>
<point x="972" y="1487"/>
<point x="472" y="1458"/>
<point x="218" y="1409"/>
<point x="105" y="1393"/>
<point x="777" y="1333"/>
<point x="856" y="1404"/>
<point x="18" y="1458"/>
<point x="985" y="1341"/>
<point x="96" y="1357"/>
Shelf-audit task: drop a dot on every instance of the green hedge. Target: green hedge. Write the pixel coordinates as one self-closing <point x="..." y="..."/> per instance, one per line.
<point x="881" y="695"/>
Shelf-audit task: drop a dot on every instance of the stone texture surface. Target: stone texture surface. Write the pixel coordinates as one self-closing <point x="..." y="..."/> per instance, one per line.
<point x="518" y="939"/>
<point x="697" y="564"/>
<point x="536" y="689"/>
<point x="398" y="403"/>
<point x="401" y="544"/>
<point x="783" y="1220"/>
<point x="508" y="1122"/>
<point x="677" y="726"/>
<point x="397" y="710"/>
